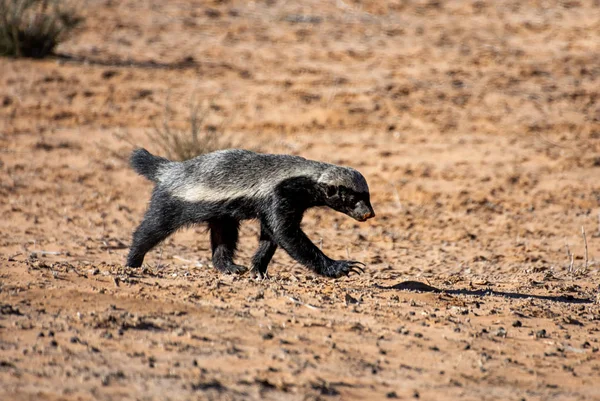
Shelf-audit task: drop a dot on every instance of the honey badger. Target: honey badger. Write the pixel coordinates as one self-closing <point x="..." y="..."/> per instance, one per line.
<point x="227" y="186"/>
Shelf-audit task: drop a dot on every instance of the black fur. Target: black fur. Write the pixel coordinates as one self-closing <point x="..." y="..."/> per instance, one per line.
<point x="146" y="164"/>
<point x="280" y="214"/>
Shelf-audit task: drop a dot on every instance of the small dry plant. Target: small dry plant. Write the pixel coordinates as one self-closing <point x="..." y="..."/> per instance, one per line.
<point x="183" y="145"/>
<point x="571" y="258"/>
<point x="33" y="28"/>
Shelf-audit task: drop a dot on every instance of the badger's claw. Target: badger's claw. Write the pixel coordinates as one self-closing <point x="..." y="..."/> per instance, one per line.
<point x="259" y="275"/>
<point x="232" y="269"/>
<point x="340" y="268"/>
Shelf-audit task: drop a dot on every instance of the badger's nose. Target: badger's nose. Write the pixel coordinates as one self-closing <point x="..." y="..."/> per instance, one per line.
<point x="365" y="214"/>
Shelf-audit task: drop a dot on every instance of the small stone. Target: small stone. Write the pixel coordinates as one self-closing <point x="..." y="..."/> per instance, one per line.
<point x="108" y="74"/>
<point x="402" y="330"/>
<point x="350" y="300"/>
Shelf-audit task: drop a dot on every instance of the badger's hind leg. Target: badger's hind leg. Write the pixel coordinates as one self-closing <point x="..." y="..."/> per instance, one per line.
<point x="264" y="254"/>
<point x="223" y="240"/>
<point x="160" y="221"/>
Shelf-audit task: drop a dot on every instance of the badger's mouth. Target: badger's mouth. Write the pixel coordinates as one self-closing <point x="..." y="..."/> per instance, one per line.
<point x="364" y="216"/>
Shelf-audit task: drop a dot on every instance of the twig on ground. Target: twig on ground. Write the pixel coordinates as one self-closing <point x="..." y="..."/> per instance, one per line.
<point x="159" y="263"/>
<point x="13" y="256"/>
<point x="570" y="258"/>
<point x="585" y="267"/>
<point x="297" y="301"/>
<point x="43" y="253"/>
<point x="182" y="259"/>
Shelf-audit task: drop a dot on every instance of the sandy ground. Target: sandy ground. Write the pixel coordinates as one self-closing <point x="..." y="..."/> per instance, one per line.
<point x="476" y="123"/>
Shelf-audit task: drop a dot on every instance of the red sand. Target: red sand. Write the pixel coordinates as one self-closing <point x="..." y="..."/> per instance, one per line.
<point x="477" y="125"/>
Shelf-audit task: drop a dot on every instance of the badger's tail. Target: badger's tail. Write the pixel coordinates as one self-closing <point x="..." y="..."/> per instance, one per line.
<point x="146" y="164"/>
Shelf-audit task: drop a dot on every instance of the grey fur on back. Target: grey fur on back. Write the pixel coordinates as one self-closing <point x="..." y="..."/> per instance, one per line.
<point x="232" y="173"/>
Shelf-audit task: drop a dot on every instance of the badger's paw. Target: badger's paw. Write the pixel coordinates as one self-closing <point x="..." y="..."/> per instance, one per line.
<point x="339" y="268"/>
<point x="232" y="269"/>
<point x="259" y="275"/>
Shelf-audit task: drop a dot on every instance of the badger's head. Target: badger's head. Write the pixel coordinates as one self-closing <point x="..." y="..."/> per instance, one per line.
<point x="346" y="191"/>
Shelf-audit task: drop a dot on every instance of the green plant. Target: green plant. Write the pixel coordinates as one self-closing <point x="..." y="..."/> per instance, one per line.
<point x="183" y="145"/>
<point x="33" y="28"/>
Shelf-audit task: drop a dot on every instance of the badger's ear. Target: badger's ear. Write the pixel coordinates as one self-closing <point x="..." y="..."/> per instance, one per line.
<point x="332" y="191"/>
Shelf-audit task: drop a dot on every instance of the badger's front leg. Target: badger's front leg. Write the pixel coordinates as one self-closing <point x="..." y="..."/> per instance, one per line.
<point x="161" y="220"/>
<point x="288" y="234"/>
<point x="223" y="240"/>
<point x="266" y="248"/>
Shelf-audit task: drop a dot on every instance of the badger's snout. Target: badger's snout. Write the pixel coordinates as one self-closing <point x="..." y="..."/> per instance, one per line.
<point x="362" y="212"/>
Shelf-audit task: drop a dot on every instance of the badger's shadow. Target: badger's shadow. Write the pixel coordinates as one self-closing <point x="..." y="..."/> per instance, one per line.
<point x="422" y="287"/>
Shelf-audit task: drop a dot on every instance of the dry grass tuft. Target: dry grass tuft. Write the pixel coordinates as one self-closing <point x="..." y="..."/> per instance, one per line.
<point x="33" y="28"/>
<point x="183" y="145"/>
